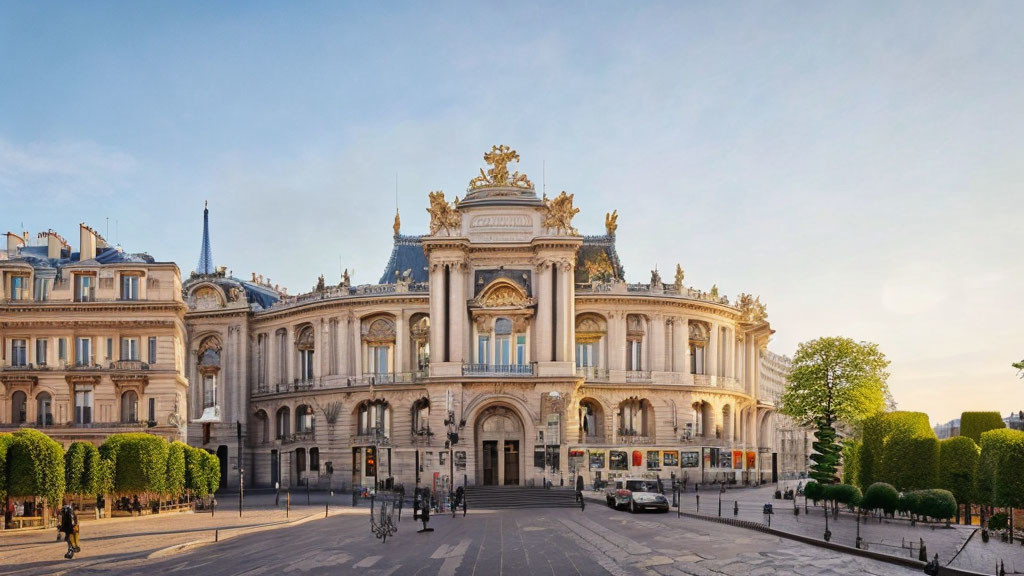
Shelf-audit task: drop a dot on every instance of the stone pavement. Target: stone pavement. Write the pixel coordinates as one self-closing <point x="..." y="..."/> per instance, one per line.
<point x="566" y="541"/>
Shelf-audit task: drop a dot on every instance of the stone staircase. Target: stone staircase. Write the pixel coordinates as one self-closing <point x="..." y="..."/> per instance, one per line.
<point x="500" y="497"/>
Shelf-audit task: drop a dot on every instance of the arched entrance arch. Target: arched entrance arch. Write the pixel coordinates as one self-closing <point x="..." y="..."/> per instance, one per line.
<point x="499" y="438"/>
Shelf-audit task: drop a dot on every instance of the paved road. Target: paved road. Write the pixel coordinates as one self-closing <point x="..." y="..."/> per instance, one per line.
<point x="559" y="542"/>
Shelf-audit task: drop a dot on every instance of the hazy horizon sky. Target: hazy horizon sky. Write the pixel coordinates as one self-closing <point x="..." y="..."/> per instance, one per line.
<point x="857" y="165"/>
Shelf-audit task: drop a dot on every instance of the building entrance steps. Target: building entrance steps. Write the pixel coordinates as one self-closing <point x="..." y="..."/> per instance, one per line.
<point x="502" y="497"/>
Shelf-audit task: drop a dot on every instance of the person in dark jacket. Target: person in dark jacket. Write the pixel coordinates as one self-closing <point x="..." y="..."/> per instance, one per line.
<point x="69" y="526"/>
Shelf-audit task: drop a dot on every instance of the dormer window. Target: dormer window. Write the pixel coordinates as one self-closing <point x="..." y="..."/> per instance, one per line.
<point x="85" y="288"/>
<point x="129" y="287"/>
<point x="19" y="288"/>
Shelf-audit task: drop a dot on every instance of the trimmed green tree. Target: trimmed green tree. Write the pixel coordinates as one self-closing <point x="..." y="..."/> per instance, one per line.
<point x="974" y="424"/>
<point x="936" y="503"/>
<point x="174" y="481"/>
<point x="880" y="429"/>
<point x="826" y="454"/>
<point x="851" y="461"/>
<point x="911" y="463"/>
<point x="834" y="379"/>
<point x="35" y="467"/>
<point x="881" y="496"/>
<point x="82" y="469"/>
<point x="958" y="461"/>
<point x="212" y="465"/>
<point x="1005" y="462"/>
<point x="195" y="472"/>
<point x="5" y="444"/>
<point x="139" y="463"/>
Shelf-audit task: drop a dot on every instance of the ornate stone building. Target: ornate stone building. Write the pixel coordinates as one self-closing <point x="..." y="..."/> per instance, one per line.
<point x="93" y="341"/>
<point x="502" y="346"/>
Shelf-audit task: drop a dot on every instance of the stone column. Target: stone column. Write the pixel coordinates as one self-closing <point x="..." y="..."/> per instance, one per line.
<point x="711" y="361"/>
<point x="319" y="350"/>
<point x="679" y="345"/>
<point x="438" y="331"/>
<point x="542" y="329"/>
<point x="289" y="351"/>
<point x="401" y="338"/>
<point x="730" y="357"/>
<point x="561" y="313"/>
<point x="657" y="345"/>
<point x="356" y="346"/>
<point x="570" y="298"/>
<point x="344" y="365"/>
<point x="456" y="311"/>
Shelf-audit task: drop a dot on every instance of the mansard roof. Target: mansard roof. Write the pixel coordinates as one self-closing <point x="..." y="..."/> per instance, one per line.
<point x="407" y="255"/>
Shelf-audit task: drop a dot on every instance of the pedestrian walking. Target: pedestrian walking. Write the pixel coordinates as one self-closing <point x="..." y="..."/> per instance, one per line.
<point x="69" y="526"/>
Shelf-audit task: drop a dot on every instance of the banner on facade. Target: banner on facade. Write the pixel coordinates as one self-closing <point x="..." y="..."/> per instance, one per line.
<point x="751" y="460"/>
<point x="618" y="460"/>
<point x="737" y="459"/>
<point x="596" y="459"/>
<point x="690" y="460"/>
<point x="653" y="460"/>
<point x="670" y="458"/>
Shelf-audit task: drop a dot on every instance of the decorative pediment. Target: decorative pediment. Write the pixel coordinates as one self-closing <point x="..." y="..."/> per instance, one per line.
<point x="634" y="326"/>
<point x="503" y="293"/>
<point x="590" y="328"/>
<point x="125" y="382"/>
<point x="378" y="331"/>
<point x="698" y="332"/>
<point x="305" y="340"/>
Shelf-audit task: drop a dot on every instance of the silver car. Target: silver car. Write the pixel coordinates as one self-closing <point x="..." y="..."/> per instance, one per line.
<point x="635" y="494"/>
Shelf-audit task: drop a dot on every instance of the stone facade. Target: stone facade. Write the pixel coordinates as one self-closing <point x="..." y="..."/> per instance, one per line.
<point x="501" y="348"/>
<point x="93" y="341"/>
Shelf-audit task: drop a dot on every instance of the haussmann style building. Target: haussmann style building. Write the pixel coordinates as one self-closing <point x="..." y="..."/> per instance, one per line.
<point x="501" y="348"/>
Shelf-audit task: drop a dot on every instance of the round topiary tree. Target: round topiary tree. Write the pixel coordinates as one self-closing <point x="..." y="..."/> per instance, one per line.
<point x="845" y="494"/>
<point x="881" y="496"/>
<point x="814" y="491"/>
<point x="35" y="467"/>
<point x="937" y="504"/>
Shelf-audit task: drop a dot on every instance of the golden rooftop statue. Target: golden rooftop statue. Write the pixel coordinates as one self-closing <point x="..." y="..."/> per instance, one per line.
<point x="443" y="214"/>
<point x="752" y="309"/>
<point x="398" y="222"/>
<point x="611" y="222"/>
<point x="560" y="212"/>
<point x="679" y="276"/>
<point x="498" y="175"/>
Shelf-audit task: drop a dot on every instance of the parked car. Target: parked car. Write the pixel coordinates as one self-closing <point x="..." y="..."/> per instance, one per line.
<point x="635" y="494"/>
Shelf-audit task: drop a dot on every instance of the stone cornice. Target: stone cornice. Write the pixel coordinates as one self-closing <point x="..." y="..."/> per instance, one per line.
<point x="66" y="307"/>
<point x="97" y="323"/>
<point x="631" y="299"/>
<point x="414" y="298"/>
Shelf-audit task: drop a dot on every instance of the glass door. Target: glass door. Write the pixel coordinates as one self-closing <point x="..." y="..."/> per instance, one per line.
<point x="511" y="463"/>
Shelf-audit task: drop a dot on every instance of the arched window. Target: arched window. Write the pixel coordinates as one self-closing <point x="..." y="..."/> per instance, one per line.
<point x="260" y="431"/>
<point x="44" y="409"/>
<point x="636" y="417"/>
<point x="129" y="407"/>
<point x="421" y="417"/>
<point x="19" y="408"/>
<point x="374" y="418"/>
<point x="300" y="461"/>
<point x="304" y="419"/>
<point x="304" y="344"/>
<point x="209" y="369"/>
<point x="501" y="344"/>
<point x="591" y="418"/>
<point x="378" y="335"/>
<point x="419" y="332"/>
<point x="283" y="423"/>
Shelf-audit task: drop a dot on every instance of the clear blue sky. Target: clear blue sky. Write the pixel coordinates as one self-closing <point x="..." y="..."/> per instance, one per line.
<point x="858" y="165"/>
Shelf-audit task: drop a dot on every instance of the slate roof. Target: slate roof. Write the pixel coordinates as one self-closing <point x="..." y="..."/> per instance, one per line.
<point x="36" y="256"/>
<point x="407" y="254"/>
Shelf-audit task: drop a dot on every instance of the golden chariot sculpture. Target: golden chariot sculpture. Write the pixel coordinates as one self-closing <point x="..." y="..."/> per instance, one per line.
<point x="443" y="215"/>
<point x="498" y="176"/>
<point x="560" y="212"/>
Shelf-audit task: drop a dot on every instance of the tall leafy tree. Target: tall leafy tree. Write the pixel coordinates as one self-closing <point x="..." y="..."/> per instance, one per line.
<point x="834" y="379"/>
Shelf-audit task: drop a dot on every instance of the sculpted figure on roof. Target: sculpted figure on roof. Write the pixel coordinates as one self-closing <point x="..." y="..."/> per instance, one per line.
<point x="560" y="212"/>
<point x="611" y="222"/>
<point x="752" y="308"/>
<point x="442" y="214"/>
<point x="498" y="174"/>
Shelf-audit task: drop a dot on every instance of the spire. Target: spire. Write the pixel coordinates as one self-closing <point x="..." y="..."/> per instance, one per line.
<point x="206" y="255"/>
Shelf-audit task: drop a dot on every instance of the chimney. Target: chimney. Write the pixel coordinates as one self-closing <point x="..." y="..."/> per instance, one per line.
<point x="87" y="243"/>
<point x="53" y="245"/>
<point x="14" y="242"/>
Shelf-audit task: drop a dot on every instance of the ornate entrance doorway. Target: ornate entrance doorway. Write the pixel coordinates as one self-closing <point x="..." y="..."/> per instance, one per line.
<point x="499" y="438"/>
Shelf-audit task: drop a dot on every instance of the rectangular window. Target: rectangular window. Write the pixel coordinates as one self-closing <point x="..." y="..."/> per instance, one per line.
<point x="379" y="359"/>
<point x="152" y="410"/>
<point x="633" y="357"/>
<point x="521" y="350"/>
<point x="110" y="349"/>
<point x="83" y="352"/>
<point x="83" y="405"/>
<point x="85" y="288"/>
<point x="42" y="289"/>
<point x="62" y="349"/>
<point x="483" y="350"/>
<point x="129" y="348"/>
<point x="19" y="288"/>
<point x="503" y="351"/>
<point x="41" y="352"/>
<point x="19" y="352"/>
<point x="152" y="350"/>
<point x="129" y="287"/>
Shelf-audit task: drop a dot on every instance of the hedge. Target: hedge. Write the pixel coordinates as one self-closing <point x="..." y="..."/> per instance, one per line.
<point x="958" y="461"/>
<point x="879" y="430"/>
<point x="814" y="491"/>
<point x="935" y="503"/>
<point x="139" y="462"/>
<point x="851" y="461"/>
<point x="174" y="480"/>
<point x="82" y="469"/>
<point x="212" y="465"/>
<point x="911" y="463"/>
<point x="197" y="471"/>
<point x="881" y="496"/>
<point x="1001" y="467"/>
<point x="5" y="443"/>
<point x="35" y="466"/>
<point x="974" y="424"/>
<point x="843" y="494"/>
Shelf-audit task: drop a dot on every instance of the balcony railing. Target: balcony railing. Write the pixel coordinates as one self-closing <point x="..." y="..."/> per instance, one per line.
<point x="385" y="378"/>
<point x="129" y="365"/>
<point x="373" y="439"/>
<point x="638" y="376"/>
<point x="508" y="370"/>
<point x="632" y="437"/>
<point x="592" y="373"/>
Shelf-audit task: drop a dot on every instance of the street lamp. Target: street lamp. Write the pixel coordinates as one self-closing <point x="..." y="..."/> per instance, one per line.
<point x="553" y="396"/>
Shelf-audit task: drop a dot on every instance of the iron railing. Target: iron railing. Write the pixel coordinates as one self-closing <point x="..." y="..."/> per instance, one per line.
<point x="512" y="370"/>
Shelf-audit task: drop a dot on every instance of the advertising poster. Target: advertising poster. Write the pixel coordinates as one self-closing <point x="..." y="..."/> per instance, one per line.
<point x="751" y="460"/>
<point x="690" y="460"/>
<point x="671" y="458"/>
<point x="724" y="459"/>
<point x="653" y="460"/>
<point x="737" y="459"/>
<point x="638" y="458"/>
<point x="596" y="459"/>
<point x="618" y="460"/>
<point x="460" y="461"/>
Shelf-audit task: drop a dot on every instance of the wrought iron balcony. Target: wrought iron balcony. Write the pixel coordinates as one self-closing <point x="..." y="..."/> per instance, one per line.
<point x="504" y="370"/>
<point x="385" y="378"/>
<point x="129" y="365"/>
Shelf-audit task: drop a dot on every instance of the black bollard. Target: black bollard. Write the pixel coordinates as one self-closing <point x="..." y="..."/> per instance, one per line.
<point x="735" y="507"/>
